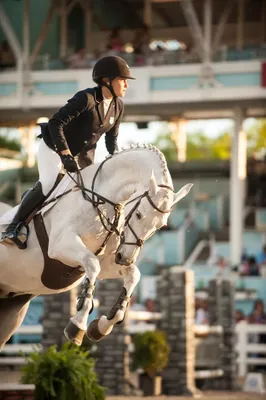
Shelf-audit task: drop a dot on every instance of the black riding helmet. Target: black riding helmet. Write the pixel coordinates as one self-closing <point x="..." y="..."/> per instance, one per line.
<point x="110" y="67"/>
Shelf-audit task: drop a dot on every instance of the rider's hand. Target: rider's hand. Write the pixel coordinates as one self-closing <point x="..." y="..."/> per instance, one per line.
<point x="69" y="163"/>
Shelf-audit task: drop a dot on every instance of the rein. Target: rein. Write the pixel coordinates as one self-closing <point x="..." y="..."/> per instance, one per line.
<point x="96" y="200"/>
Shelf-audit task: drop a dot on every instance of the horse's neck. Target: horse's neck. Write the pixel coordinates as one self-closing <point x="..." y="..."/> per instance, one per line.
<point x="126" y="173"/>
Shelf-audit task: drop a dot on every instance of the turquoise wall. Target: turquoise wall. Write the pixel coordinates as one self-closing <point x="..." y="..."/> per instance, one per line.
<point x="188" y="82"/>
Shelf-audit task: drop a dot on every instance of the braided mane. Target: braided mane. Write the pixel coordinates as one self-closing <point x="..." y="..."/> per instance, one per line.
<point x="148" y="147"/>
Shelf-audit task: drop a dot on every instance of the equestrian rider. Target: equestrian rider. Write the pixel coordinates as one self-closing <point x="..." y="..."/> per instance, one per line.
<point x="74" y="130"/>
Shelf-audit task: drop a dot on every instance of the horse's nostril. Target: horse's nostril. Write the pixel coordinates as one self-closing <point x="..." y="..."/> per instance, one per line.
<point x="118" y="257"/>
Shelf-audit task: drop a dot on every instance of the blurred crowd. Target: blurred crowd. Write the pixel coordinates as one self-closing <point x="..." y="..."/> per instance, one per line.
<point x="138" y="51"/>
<point x="257" y="316"/>
<point x="251" y="265"/>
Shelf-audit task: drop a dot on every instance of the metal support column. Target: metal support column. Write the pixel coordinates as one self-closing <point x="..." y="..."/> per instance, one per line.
<point x="237" y="187"/>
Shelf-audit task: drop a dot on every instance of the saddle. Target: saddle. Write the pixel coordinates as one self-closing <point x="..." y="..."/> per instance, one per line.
<point x="56" y="275"/>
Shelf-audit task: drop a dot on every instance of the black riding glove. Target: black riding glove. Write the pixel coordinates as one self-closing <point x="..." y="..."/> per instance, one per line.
<point x="69" y="163"/>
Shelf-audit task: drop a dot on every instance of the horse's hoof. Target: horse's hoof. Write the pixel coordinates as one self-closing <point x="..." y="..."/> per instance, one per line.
<point x="74" y="334"/>
<point x="93" y="332"/>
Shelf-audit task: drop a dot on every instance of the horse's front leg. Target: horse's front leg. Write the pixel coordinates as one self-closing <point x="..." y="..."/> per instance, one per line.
<point x="101" y="327"/>
<point x="72" y="251"/>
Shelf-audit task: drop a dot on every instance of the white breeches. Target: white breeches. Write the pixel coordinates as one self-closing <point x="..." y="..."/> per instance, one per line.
<point x="49" y="166"/>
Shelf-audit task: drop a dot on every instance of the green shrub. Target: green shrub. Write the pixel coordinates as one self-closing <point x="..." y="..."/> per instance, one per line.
<point x="63" y="375"/>
<point x="151" y="351"/>
<point x="10" y="144"/>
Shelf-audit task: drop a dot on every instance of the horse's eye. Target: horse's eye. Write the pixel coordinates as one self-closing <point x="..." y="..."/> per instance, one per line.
<point x="138" y="214"/>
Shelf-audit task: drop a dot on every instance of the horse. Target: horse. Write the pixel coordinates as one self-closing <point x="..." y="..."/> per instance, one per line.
<point x="95" y="230"/>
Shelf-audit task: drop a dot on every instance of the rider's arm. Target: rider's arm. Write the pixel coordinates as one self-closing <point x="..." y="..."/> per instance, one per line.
<point x="111" y="135"/>
<point x="73" y="108"/>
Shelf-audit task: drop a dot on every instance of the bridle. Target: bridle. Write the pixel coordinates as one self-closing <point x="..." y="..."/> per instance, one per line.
<point x="111" y="226"/>
<point x="140" y="242"/>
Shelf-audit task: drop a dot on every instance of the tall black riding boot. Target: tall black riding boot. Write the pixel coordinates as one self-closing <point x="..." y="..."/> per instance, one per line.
<point x="30" y="201"/>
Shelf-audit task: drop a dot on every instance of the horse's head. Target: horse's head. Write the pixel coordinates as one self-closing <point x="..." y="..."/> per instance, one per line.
<point x="145" y="213"/>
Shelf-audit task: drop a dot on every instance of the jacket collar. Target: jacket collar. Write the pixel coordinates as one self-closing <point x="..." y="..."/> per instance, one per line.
<point x="98" y="96"/>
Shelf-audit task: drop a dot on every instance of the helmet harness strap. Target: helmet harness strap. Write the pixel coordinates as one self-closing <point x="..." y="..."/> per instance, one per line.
<point x="109" y="87"/>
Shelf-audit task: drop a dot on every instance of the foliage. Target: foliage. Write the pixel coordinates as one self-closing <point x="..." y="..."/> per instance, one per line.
<point x="63" y="375"/>
<point x="166" y="145"/>
<point x="199" y="146"/>
<point x="256" y="136"/>
<point x="10" y="144"/>
<point x="202" y="147"/>
<point x="151" y="351"/>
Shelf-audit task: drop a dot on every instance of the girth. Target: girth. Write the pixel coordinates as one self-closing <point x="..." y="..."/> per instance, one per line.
<point x="56" y="275"/>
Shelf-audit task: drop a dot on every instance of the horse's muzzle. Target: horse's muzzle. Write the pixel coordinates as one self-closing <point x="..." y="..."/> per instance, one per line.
<point x="119" y="259"/>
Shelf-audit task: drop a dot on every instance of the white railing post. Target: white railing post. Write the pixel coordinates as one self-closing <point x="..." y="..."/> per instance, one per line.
<point x="241" y="329"/>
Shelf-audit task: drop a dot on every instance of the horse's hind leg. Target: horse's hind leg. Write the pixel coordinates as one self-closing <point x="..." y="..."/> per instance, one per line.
<point x="99" y="328"/>
<point x="12" y="313"/>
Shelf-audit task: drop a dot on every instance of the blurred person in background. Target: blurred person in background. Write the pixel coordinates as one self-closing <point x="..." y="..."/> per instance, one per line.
<point x="239" y="316"/>
<point x="75" y="130"/>
<point x="115" y="43"/>
<point x="141" y="43"/>
<point x="249" y="267"/>
<point x="258" y="315"/>
<point x="150" y="305"/>
<point x="201" y="312"/>
<point x="78" y="60"/>
<point x="253" y="267"/>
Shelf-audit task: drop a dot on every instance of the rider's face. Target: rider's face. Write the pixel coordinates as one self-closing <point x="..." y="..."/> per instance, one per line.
<point x="120" y="86"/>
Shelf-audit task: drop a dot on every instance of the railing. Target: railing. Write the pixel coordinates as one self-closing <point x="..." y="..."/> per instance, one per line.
<point x="249" y="353"/>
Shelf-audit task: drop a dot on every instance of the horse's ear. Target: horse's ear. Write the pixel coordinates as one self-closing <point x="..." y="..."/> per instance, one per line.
<point x="182" y="192"/>
<point x="153" y="185"/>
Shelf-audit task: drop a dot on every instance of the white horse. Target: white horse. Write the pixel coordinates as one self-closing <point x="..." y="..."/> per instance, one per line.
<point x="96" y="233"/>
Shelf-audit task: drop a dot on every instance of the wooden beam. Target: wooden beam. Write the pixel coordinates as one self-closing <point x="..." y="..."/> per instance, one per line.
<point x="263" y="22"/>
<point x="88" y="30"/>
<point x="207" y="30"/>
<point x="63" y="29"/>
<point x="194" y="26"/>
<point x="161" y="12"/>
<point x="240" y="24"/>
<point x="221" y="25"/>
<point x="43" y="32"/>
<point x="10" y="34"/>
<point x="26" y="33"/>
<point x="147" y="13"/>
<point x="71" y="5"/>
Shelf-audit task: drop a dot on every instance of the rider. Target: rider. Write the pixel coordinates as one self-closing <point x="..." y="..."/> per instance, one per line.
<point x="75" y="129"/>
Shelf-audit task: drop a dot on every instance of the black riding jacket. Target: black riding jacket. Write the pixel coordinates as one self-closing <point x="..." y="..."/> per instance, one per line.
<point x="81" y="123"/>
